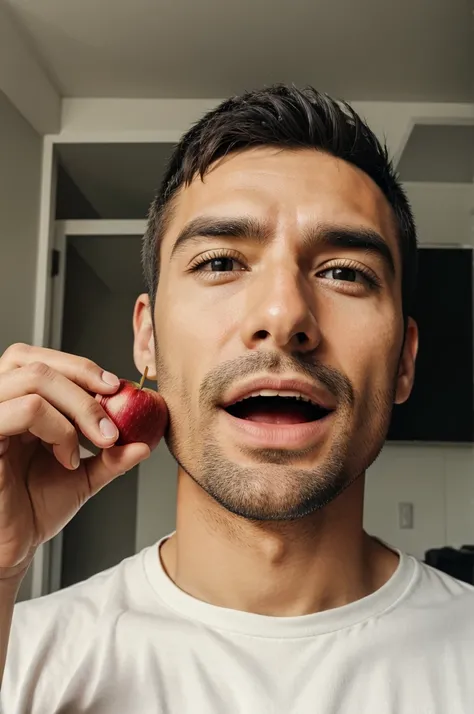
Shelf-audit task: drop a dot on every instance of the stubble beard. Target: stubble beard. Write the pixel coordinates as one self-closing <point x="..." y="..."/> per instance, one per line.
<point x="273" y="489"/>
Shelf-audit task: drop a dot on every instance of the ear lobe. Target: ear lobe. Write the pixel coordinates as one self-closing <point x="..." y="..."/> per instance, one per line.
<point x="144" y="340"/>
<point x="406" y="367"/>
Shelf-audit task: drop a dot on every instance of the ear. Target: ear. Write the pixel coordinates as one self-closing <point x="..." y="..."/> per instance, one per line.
<point x="144" y="354"/>
<point x="406" y="367"/>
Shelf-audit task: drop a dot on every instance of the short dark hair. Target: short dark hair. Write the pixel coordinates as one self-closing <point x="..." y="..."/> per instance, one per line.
<point x="287" y="117"/>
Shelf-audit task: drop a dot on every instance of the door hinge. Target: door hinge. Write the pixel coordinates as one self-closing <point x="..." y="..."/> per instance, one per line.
<point x="55" y="262"/>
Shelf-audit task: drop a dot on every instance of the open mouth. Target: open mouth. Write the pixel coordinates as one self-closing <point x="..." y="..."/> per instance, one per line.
<point x="277" y="409"/>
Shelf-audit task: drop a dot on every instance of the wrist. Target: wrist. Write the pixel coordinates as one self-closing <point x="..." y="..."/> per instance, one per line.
<point x="12" y="577"/>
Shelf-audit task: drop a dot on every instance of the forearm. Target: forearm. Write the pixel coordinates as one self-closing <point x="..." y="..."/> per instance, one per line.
<point x="8" y="592"/>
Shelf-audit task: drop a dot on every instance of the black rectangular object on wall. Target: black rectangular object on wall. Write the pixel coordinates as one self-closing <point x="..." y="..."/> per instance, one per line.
<point x="441" y="406"/>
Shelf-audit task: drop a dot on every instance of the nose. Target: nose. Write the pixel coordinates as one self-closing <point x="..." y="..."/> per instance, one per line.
<point x="280" y="313"/>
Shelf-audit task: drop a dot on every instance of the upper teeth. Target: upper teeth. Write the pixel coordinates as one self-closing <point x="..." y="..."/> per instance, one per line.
<point x="275" y="393"/>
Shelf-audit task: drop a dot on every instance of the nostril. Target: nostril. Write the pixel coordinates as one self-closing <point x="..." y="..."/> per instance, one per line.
<point x="301" y="337"/>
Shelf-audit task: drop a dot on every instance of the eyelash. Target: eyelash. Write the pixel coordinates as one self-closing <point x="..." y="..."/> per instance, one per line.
<point x="370" y="277"/>
<point x="214" y="255"/>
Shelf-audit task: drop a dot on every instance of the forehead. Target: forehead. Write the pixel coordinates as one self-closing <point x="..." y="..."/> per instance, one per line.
<point x="285" y="186"/>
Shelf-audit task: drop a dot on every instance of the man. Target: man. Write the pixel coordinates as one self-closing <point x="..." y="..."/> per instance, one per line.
<point x="280" y="259"/>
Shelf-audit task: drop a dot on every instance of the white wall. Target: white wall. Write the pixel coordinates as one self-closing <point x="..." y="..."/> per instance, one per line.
<point x="22" y="78"/>
<point x="156" y="502"/>
<point x="20" y="167"/>
<point x="20" y="170"/>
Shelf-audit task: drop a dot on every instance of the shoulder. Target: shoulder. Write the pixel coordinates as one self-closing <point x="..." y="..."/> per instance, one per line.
<point x="100" y="596"/>
<point x="85" y="601"/>
<point x="50" y="634"/>
<point x="440" y="601"/>
<point x="441" y="587"/>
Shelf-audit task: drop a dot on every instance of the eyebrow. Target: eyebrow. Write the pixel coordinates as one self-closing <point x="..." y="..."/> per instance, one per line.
<point x="363" y="239"/>
<point x="244" y="227"/>
<point x="250" y="228"/>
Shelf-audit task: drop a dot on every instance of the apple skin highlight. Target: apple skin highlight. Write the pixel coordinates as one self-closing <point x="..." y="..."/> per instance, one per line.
<point x="140" y="415"/>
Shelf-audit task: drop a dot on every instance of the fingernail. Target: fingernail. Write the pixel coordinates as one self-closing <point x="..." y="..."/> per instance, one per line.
<point x="107" y="429"/>
<point x="4" y="443"/>
<point x="111" y="379"/>
<point x="75" y="459"/>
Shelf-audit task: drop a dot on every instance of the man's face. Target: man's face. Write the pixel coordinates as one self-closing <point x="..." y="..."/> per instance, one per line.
<point x="282" y="266"/>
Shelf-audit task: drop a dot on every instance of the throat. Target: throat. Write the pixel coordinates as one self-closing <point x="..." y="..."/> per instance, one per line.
<point x="276" y="410"/>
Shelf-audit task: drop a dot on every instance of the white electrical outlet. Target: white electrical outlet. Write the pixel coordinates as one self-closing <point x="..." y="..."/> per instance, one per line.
<point x="405" y="515"/>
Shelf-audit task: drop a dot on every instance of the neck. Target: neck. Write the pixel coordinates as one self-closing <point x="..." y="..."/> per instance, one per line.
<point x="323" y="561"/>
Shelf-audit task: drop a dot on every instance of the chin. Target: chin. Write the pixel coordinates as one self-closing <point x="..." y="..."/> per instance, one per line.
<point x="270" y="485"/>
<point x="265" y="505"/>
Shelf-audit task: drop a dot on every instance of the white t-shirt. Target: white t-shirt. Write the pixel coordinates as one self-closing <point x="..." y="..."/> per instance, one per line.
<point x="129" y="641"/>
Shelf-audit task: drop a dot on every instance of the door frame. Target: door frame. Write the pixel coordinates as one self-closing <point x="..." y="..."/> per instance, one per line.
<point x="46" y="566"/>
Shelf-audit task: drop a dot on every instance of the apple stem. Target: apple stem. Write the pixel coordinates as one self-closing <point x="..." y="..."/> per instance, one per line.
<point x="143" y="378"/>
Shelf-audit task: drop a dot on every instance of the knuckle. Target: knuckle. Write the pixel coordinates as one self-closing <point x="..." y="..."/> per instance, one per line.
<point x="16" y="349"/>
<point x="38" y="370"/>
<point x="91" y="408"/>
<point x="32" y="405"/>
<point x="70" y="434"/>
<point x="89" y="369"/>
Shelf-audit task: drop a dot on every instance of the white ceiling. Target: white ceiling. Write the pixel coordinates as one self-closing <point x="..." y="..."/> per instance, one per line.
<point x="398" y="50"/>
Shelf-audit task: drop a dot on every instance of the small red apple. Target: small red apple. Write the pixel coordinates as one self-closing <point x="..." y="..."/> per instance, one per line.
<point x="140" y="415"/>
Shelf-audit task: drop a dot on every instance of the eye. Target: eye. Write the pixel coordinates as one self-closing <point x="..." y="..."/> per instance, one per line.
<point x="341" y="273"/>
<point x="220" y="265"/>
<point x="217" y="263"/>
<point x="357" y="275"/>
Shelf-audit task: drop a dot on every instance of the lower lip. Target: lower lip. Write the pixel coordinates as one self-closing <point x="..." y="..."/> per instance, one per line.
<point x="279" y="436"/>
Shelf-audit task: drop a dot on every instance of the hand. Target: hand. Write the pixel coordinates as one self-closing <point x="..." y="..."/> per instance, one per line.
<point x="47" y="398"/>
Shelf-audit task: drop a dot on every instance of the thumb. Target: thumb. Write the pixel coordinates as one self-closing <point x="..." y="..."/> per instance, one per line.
<point x="113" y="462"/>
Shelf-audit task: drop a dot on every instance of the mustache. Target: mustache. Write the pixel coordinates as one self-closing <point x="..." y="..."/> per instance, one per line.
<point x="216" y="382"/>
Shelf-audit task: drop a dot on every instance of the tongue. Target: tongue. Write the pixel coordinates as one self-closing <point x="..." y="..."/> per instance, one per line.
<point x="274" y="410"/>
<point x="274" y="418"/>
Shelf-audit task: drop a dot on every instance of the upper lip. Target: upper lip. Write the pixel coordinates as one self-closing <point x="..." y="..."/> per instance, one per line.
<point x="315" y="392"/>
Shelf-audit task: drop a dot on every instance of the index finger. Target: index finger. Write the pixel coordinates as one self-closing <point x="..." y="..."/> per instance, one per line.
<point x="81" y="370"/>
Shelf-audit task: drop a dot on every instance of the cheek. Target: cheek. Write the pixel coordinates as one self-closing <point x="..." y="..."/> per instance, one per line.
<point x="191" y="335"/>
<point x="204" y="316"/>
<point x="201" y="329"/>
<point x="364" y="342"/>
